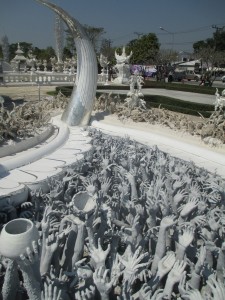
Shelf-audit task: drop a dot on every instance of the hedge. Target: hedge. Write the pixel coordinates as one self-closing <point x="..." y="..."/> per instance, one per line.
<point x="169" y="103"/>
<point x="175" y="105"/>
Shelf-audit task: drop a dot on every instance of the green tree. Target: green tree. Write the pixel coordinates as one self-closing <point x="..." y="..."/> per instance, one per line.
<point x="94" y="34"/>
<point x="144" y="49"/>
<point x="107" y="50"/>
<point x="70" y="45"/>
<point x="212" y="59"/>
<point x="48" y="53"/>
<point x="217" y="42"/>
<point x="42" y="54"/>
<point x="164" y="61"/>
<point x="1" y="54"/>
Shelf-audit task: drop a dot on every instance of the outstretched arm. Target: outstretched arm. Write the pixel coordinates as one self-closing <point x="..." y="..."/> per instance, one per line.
<point x="161" y="243"/>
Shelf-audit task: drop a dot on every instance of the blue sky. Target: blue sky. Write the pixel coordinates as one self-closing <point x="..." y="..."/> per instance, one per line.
<point x="190" y="21"/>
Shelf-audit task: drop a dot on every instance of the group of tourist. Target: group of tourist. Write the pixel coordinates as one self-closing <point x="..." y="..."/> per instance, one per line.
<point x="154" y="229"/>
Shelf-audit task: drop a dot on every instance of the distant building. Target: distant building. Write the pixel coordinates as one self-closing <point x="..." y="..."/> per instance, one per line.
<point x="184" y="56"/>
<point x="19" y="61"/>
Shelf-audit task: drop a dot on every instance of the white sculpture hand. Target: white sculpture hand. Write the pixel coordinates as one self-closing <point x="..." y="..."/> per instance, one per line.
<point x="31" y="257"/>
<point x="152" y="205"/>
<point x="217" y="287"/>
<point x="61" y="278"/>
<point x="116" y="270"/>
<point x="105" y="185"/>
<point x="98" y="255"/>
<point x="132" y="264"/>
<point x="86" y="294"/>
<point x="51" y="291"/>
<point x="52" y="243"/>
<point x="178" y="183"/>
<point x="158" y="295"/>
<point x="192" y="295"/>
<point x="186" y="236"/>
<point x="201" y="260"/>
<point x="180" y="195"/>
<point x="182" y="284"/>
<point x="145" y="292"/>
<point x="167" y="222"/>
<point x="89" y="185"/>
<point x="189" y="207"/>
<point x="176" y="272"/>
<point x="166" y="264"/>
<point x="103" y="284"/>
<point x="198" y="221"/>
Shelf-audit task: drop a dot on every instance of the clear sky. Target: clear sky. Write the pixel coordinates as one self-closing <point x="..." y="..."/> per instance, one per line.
<point x="187" y="21"/>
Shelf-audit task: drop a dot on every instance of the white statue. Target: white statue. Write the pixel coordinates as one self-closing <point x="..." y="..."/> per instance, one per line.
<point x="123" y="58"/>
<point x="103" y="60"/>
<point x="220" y="100"/>
<point x="122" y="67"/>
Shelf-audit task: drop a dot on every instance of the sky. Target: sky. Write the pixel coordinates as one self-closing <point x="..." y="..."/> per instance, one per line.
<point x="184" y="22"/>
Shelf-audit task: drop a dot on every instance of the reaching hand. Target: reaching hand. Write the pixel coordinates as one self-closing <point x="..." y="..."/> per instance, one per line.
<point x="101" y="281"/>
<point x="52" y="243"/>
<point x="86" y="294"/>
<point x="116" y="270"/>
<point x="217" y="287"/>
<point x="192" y="295"/>
<point x="178" y="183"/>
<point x="180" y="195"/>
<point x="201" y="260"/>
<point x="51" y="291"/>
<point x="189" y="207"/>
<point x="98" y="255"/>
<point x="166" y="264"/>
<point x="27" y="260"/>
<point x="175" y="274"/>
<point x="132" y="264"/>
<point x="145" y="292"/>
<point x="182" y="284"/>
<point x="198" y="221"/>
<point x="89" y="185"/>
<point x="45" y="223"/>
<point x="26" y="205"/>
<point x="105" y="185"/>
<point x="167" y="222"/>
<point x="186" y="236"/>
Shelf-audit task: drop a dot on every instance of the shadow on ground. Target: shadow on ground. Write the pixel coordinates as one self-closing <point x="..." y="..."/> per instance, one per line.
<point x="100" y="115"/>
<point x="9" y="103"/>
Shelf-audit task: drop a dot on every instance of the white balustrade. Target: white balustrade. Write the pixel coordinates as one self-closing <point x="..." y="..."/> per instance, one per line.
<point x="43" y="78"/>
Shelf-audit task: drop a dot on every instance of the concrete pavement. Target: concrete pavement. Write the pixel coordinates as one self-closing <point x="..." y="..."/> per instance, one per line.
<point x="185" y="96"/>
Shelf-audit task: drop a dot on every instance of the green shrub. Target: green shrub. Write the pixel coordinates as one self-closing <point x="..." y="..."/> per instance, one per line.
<point x="169" y="103"/>
<point x="175" y="105"/>
<point x="181" y="87"/>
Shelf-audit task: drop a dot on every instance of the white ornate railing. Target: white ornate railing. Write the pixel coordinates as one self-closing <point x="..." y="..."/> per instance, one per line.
<point x="41" y="78"/>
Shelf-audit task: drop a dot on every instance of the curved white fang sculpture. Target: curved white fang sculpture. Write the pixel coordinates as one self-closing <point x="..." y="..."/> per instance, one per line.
<point x="79" y="109"/>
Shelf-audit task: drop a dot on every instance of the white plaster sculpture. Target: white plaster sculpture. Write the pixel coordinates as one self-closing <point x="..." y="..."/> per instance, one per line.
<point x="79" y="109"/>
<point x="122" y="67"/>
<point x="16" y="236"/>
<point x="220" y="100"/>
<point x="16" y="125"/>
<point x="134" y="99"/>
<point x="103" y="63"/>
<point x="129" y="223"/>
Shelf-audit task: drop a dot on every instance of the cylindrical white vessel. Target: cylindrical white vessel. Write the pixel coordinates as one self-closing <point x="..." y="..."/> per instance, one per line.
<point x="16" y="236"/>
